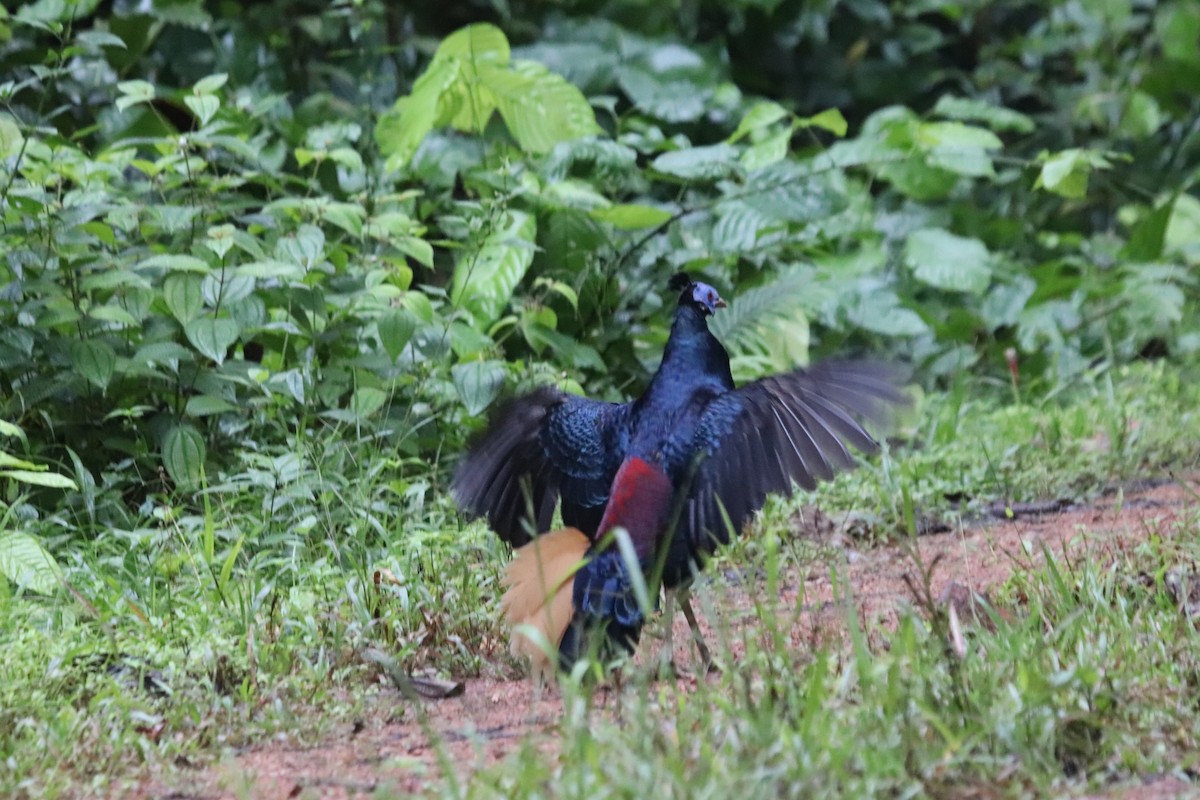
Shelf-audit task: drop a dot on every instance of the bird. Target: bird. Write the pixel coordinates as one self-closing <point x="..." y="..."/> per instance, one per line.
<point x="677" y="470"/>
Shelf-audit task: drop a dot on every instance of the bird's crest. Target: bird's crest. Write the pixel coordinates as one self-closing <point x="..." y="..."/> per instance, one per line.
<point x="540" y="580"/>
<point x="679" y="281"/>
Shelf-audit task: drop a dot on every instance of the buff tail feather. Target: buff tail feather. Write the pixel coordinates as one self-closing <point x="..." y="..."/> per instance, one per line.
<point x="540" y="579"/>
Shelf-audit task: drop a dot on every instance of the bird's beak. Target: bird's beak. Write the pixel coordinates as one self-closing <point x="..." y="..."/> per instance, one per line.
<point x="720" y="303"/>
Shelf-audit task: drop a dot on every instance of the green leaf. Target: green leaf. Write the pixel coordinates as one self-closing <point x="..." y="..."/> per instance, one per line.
<point x="220" y="239"/>
<point x="51" y="480"/>
<point x="210" y="84"/>
<point x="830" y="119"/>
<point x="540" y="108"/>
<point x="1149" y="235"/>
<point x="946" y="261"/>
<point x="367" y="400"/>
<point x="970" y="110"/>
<point x="878" y="309"/>
<point x="183" y="454"/>
<point x="478" y="383"/>
<point x="1183" y="231"/>
<point x="672" y="97"/>
<point x="788" y="192"/>
<point x="134" y="93"/>
<point x="1178" y="27"/>
<point x="760" y="115"/>
<point x="958" y="148"/>
<point x="305" y="247"/>
<point x="1142" y="115"/>
<point x="204" y="405"/>
<point x="769" y="151"/>
<point x="738" y="227"/>
<point x="707" y="163"/>
<point x="484" y="281"/>
<point x="396" y="328"/>
<point x="174" y="263"/>
<point x="94" y="360"/>
<point x="115" y="314"/>
<point x="1066" y="173"/>
<point x="479" y="44"/>
<point x="631" y="216"/>
<point x="182" y="294"/>
<point x="402" y="129"/>
<point x="204" y="107"/>
<point x="10" y="136"/>
<point x="26" y="563"/>
<point x="212" y="337"/>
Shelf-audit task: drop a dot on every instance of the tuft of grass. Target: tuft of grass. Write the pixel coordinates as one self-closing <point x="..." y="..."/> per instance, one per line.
<point x="972" y="456"/>
<point x="183" y="630"/>
<point x="1083" y="675"/>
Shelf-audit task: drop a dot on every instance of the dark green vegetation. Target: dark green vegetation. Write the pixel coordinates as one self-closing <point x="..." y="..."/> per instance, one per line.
<point x="248" y="301"/>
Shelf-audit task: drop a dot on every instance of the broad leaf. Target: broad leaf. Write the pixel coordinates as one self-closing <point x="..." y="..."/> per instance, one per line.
<point x="51" y="480"/>
<point x="212" y="336"/>
<point x="181" y="291"/>
<point x="478" y="383"/>
<point x="631" y="216"/>
<point x="26" y="563"/>
<point x="699" y="163"/>
<point x="1066" y="173"/>
<point x="94" y="360"/>
<point x="396" y="328"/>
<point x="955" y="263"/>
<point x="484" y="281"/>
<point x="183" y="454"/>
<point x="203" y="405"/>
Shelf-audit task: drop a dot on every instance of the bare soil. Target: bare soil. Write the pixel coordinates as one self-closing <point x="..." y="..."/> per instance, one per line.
<point x="492" y="719"/>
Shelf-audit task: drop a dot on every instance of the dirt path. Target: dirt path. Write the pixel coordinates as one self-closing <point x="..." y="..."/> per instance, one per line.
<point x="493" y="719"/>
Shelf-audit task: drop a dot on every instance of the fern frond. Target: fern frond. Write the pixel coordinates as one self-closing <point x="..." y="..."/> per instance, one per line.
<point x="765" y="328"/>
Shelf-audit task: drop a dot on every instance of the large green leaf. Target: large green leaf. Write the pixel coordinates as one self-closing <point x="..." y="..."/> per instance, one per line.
<point x="36" y="477"/>
<point x="10" y="136"/>
<point x="183" y="454"/>
<point x="484" y="280"/>
<point x="973" y="110"/>
<point x="26" y="563"/>
<point x="212" y="336"/>
<point x="631" y="216"/>
<point x="540" y="108"/>
<point x="181" y="291"/>
<point x="402" y="129"/>
<point x="955" y="263"/>
<point x="1066" y="173"/>
<point x="706" y="163"/>
<point x="94" y="360"/>
<point x="396" y="328"/>
<point x="478" y="383"/>
<point x="788" y="192"/>
<point x="876" y="308"/>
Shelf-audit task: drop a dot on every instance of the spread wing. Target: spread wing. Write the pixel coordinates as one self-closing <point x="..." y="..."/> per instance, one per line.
<point x="540" y="446"/>
<point x="788" y="429"/>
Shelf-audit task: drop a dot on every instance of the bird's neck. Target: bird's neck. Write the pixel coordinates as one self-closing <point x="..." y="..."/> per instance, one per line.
<point x="692" y="352"/>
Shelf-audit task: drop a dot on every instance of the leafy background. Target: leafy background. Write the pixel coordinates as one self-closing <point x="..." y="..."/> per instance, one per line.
<point x="261" y="260"/>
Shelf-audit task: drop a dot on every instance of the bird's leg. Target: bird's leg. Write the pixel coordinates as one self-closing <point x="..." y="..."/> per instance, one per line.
<point x="666" y="661"/>
<point x="685" y="603"/>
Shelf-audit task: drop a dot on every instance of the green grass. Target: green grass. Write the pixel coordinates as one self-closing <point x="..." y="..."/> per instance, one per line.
<point x="256" y="605"/>
<point x="1094" y="680"/>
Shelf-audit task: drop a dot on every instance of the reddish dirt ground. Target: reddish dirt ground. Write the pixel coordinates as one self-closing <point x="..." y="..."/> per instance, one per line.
<point x="492" y="719"/>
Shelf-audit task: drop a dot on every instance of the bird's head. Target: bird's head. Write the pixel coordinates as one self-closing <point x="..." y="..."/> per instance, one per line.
<point x="695" y="293"/>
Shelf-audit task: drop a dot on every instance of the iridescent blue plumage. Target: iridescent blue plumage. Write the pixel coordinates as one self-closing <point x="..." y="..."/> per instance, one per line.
<point x="719" y="449"/>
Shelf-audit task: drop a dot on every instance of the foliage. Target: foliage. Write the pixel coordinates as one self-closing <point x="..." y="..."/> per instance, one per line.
<point x="216" y="252"/>
<point x="266" y="264"/>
